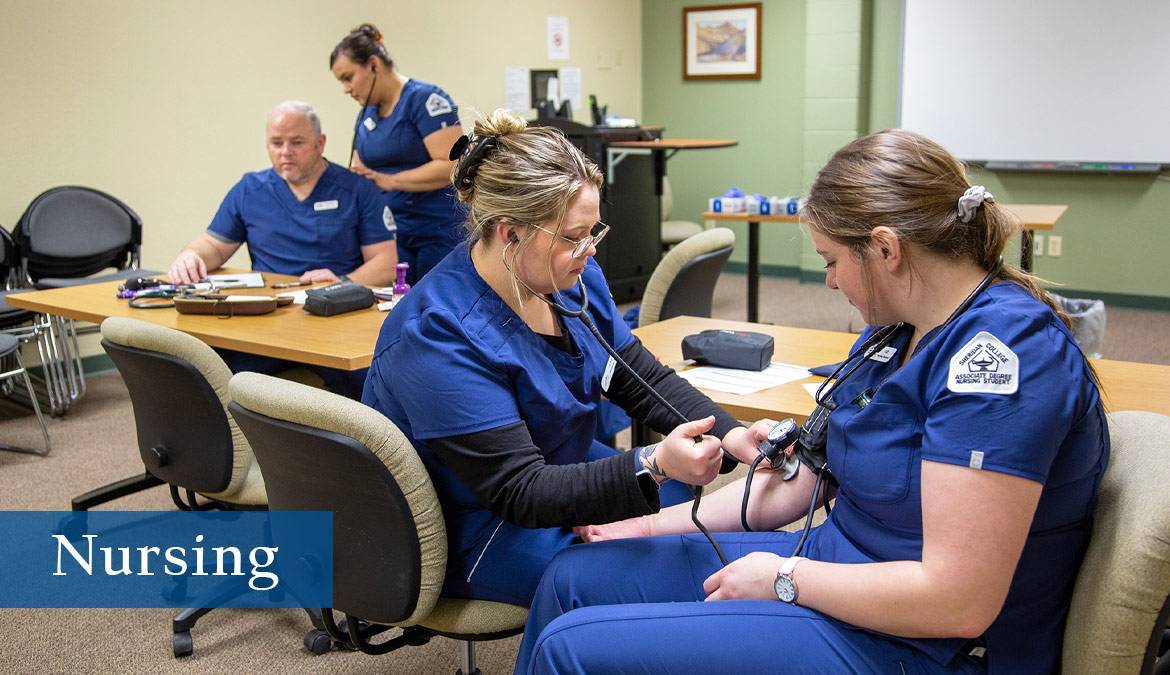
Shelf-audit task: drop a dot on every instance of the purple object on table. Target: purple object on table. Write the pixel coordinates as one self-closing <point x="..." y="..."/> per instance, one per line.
<point x="400" y="285"/>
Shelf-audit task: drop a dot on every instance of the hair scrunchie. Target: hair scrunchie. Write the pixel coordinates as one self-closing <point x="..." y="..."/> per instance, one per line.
<point x="971" y="200"/>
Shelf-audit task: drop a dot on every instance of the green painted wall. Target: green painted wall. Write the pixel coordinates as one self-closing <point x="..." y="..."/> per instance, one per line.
<point x="1116" y="234"/>
<point x="765" y="116"/>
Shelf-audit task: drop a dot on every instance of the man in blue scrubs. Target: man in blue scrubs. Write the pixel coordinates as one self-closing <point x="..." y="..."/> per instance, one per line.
<point x="304" y="217"/>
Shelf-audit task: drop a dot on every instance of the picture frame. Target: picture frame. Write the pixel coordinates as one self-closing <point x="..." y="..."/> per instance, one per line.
<point x="722" y="41"/>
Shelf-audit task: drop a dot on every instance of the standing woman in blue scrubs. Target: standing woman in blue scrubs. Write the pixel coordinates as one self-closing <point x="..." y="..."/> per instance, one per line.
<point x="402" y="138"/>
<point x="498" y="391"/>
<point x="968" y="452"/>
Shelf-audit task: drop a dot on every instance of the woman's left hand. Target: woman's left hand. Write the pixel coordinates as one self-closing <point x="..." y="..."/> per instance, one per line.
<point x="384" y="181"/>
<point x="742" y="443"/>
<point x="752" y="577"/>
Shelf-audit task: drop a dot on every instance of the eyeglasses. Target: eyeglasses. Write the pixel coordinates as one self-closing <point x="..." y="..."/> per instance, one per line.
<point x="596" y="234"/>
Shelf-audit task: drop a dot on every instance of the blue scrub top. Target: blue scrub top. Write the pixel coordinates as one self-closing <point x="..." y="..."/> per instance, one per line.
<point x="395" y="143"/>
<point x="452" y="359"/>
<point x="327" y="230"/>
<point x="1003" y="388"/>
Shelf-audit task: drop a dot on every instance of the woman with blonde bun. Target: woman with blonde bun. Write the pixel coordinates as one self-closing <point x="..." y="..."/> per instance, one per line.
<point x="498" y="391"/>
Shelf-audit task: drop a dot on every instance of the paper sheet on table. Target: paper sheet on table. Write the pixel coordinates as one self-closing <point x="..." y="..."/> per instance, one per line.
<point x="744" y="381"/>
<point x="298" y="297"/>
<point x="811" y="388"/>
<point x="249" y="280"/>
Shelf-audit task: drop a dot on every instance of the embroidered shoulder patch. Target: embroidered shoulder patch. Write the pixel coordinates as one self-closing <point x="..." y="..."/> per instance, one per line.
<point x="985" y="366"/>
<point x="388" y="219"/>
<point x="437" y="105"/>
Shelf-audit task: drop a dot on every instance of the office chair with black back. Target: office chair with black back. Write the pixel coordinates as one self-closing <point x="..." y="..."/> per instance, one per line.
<point x="684" y="281"/>
<point x="186" y="439"/>
<point x="324" y="452"/>
<point x="67" y="235"/>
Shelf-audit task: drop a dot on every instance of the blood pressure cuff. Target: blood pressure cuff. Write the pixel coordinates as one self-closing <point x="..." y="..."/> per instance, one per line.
<point x="729" y="349"/>
<point x="338" y="299"/>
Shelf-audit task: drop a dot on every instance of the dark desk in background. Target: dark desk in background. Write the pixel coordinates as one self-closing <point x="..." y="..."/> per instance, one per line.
<point x="633" y="160"/>
<point x="629" y="254"/>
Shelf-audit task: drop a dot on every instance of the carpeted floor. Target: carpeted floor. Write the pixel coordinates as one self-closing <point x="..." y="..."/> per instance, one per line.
<point x="95" y="444"/>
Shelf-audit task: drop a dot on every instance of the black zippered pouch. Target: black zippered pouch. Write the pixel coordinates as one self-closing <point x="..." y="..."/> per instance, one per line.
<point x="740" y="349"/>
<point x="338" y="299"/>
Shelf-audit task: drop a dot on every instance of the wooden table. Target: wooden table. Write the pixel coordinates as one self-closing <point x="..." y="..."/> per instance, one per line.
<point x="1033" y="217"/>
<point x="345" y="341"/>
<point x="1029" y="216"/>
<point x="662" y="150"/>
<point x="753" y="263"/>
<point x="1125" y="385"/>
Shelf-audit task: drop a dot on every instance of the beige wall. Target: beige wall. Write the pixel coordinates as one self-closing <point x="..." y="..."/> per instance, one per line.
<point x="162" y="103"/>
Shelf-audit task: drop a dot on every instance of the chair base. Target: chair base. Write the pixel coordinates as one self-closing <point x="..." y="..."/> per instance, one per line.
<point x="4" y="447"/>
<point x="20" y="371"/>
<point x="355" y="634"/>
<point x="116" y="490"/>
<point x="182" y="644"/>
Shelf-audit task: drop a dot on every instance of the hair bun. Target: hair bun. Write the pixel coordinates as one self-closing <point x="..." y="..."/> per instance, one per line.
<point x="369" y="30"/>
<point x="501" y="122"/>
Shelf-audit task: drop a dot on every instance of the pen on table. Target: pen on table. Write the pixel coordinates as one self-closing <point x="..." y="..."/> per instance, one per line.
<point x="292" y="284"/>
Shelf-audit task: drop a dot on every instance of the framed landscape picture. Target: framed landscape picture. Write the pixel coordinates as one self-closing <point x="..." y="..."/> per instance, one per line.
<point x="722" y="41"/>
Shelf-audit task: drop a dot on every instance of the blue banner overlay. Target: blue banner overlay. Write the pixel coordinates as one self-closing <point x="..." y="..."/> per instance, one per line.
<point x="166" y="559"/>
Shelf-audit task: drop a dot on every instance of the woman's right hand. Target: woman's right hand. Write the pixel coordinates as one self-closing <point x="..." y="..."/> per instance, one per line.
<point x="681" y="457"/>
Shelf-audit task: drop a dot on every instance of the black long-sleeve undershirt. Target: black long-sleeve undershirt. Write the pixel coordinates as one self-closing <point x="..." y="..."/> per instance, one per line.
<point x="507" y="471"/>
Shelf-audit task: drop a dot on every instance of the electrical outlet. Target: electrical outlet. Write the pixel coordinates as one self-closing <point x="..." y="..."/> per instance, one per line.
<point x="1038" y="245"/>
<point x="1054" y="245"/>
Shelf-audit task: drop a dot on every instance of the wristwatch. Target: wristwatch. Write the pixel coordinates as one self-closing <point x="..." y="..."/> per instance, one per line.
<point x="785" y="584"/>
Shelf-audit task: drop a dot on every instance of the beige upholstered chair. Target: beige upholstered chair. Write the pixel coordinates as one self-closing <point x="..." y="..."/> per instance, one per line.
<point x="324" y="452"/>
<point x="674" y="231"/>
<point x="1121" y="600"/>
<point x="168" y="371"/>
<point x="684" y="281"/>
<point x="186" y="438"/>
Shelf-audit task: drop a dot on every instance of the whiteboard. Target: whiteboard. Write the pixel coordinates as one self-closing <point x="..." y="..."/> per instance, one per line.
<point x="1039" y="80"/>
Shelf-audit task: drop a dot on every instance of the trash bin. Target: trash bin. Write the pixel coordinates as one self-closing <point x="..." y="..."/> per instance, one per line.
<point x="1088" y="322"/>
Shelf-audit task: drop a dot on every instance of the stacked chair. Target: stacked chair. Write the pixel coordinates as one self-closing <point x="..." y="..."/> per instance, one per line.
<point x="17" y="327"/>
<point x="323" y="452"/>
<point x="65" y="236"/>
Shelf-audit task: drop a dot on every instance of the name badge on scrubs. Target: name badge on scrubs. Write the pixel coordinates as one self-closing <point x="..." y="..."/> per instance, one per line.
<point x="325" y="206"/>
<point x="885" y="354"/>
<point x="369" y="124"/>
<point x="607" y="376"/>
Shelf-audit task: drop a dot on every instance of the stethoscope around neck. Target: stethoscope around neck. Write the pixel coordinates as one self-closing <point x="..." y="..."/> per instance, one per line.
<point x="582" y="314"/>
<point x="882" y="338"/>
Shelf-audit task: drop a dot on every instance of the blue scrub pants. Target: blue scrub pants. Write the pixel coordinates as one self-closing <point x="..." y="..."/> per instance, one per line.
<point x="423" y="253"/>
<point x="635" y="606"/>
<point x="348" y="383"/>
<point x="490" y="558"/>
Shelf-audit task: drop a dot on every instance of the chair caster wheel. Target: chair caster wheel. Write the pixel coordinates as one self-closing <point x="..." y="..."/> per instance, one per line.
<point x="182" y="644"/>
<point x="318" y="642"/>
